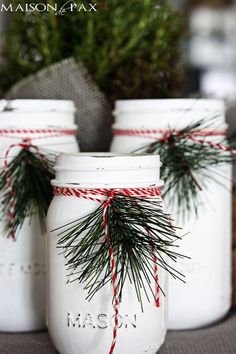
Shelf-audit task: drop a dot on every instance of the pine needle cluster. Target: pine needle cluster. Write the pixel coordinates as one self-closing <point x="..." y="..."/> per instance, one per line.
<point x="187" y="164"/>
<point x="30" y="177"/>
<point x="138" y="229"/>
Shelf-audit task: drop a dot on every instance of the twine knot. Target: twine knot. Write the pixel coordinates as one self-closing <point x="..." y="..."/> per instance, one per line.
<point x="26" y="143"/>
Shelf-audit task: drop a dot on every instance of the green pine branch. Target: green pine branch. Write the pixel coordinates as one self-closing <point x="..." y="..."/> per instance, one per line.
<point x="30" y="176"/>
<point x="138" y="229"/>
<point x="187" y="165"/>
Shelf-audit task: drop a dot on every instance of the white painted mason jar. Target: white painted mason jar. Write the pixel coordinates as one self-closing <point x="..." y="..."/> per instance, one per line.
<point x="75" y="324"/>
<point x="22" y="262"/>
<point x="206" y="297"/>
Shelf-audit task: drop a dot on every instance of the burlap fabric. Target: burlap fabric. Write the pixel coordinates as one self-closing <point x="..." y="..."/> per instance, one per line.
<point x="218" y="339"/>
<point x="69" y="80"/>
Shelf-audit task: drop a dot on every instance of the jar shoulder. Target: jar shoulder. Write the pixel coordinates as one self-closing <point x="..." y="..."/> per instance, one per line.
<point x="66" y="209"/>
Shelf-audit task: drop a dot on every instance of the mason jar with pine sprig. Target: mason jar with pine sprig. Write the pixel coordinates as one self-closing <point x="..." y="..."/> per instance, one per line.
<point x="190" y="136"/>
<point x="32" y="133"/>
<point x="108" y="245"/>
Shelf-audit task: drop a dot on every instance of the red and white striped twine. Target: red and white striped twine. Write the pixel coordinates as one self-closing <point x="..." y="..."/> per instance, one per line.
<point x="216" y="146"/>
<point x="98" y="195"/>
<point x="113" y="269"/>
<point x="26" y="143"/>
<point x="148" y="132"/>
<point x="47" y="133"/>
<point x="195" y="136"/>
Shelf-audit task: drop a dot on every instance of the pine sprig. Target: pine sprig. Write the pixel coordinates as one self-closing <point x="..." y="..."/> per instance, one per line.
<point x="187" y="164"/>
<point x="138" y="229"/>
<point x="30" y="175"/>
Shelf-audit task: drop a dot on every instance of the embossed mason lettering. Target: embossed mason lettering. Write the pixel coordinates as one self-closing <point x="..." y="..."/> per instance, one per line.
<point x="101" y="320"/>
<point x="18" y="268"/>
<point x="73" y="322"/>
<point x="150" y="347"/>
<point x="88" y="321"/>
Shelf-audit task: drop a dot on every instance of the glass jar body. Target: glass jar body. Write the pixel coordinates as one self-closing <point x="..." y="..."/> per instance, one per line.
<point x="206" y="296"/>
<point x="22" y="265"/>
<point x="76" y="324"/>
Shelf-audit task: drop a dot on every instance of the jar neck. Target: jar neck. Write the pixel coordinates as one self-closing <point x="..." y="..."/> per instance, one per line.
<point x="163" y="114"/>
<point x="36" y="113"/>
<point x="115" y="171"/>
<point x="110" y="179"/>
<point x="36" y="120"/>
<point x="37" y="105"/>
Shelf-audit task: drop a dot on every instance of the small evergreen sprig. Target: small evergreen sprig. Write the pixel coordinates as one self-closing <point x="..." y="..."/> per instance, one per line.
<point x="138" y="229"/>
<point x="30" y="174"/>
<point x="187" y="163"/>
